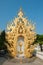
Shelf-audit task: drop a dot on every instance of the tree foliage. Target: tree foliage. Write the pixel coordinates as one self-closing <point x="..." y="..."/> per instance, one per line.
<point x="39" y="39"/>
<point x="2" y="39"/>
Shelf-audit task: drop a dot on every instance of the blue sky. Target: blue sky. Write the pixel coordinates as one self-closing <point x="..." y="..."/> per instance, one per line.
<point x="33" y="10"/>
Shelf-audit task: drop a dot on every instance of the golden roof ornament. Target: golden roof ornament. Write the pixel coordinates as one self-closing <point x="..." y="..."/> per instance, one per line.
<point x="20" y="14"/>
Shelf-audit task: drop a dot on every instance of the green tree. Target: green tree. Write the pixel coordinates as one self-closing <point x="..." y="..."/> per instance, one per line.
<point x="2" y="40"/>
<point x="39" y="40"/>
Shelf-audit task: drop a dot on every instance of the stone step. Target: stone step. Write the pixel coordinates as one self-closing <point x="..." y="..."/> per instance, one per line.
<point x="22" y="60"/>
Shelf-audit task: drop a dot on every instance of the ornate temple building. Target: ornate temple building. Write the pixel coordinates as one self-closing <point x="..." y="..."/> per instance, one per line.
<point x="20" y="36"/>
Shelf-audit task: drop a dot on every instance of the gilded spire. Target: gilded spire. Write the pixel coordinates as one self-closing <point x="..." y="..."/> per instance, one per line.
<point x="21" y="9"/>
<point x="20" y="14"/>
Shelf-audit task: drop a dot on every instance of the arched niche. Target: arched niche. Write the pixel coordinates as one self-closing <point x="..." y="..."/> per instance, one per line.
<point x="20" y="46"/>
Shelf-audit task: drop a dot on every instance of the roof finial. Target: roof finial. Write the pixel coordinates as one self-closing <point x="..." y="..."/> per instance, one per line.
<point x="20" y="8"/>
<point x="20" y="14"/>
